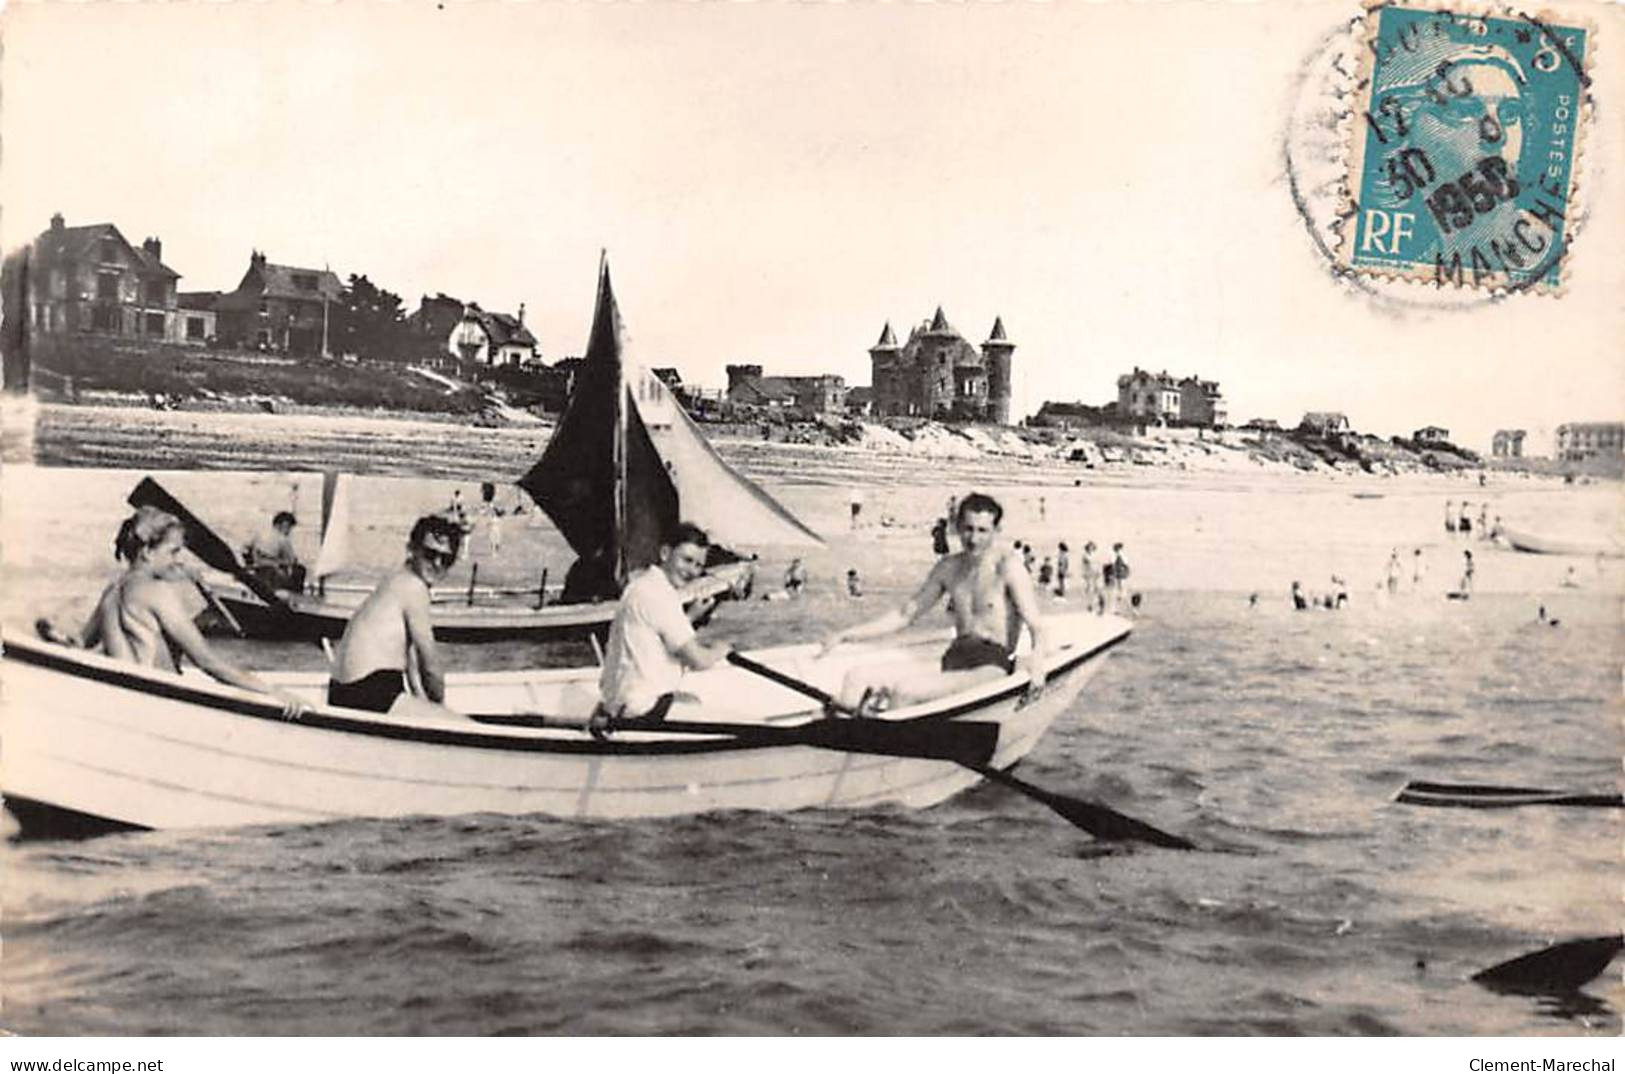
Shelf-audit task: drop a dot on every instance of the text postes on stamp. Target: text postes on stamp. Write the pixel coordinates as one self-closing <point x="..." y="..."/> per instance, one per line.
<point x="1463" y="156"/>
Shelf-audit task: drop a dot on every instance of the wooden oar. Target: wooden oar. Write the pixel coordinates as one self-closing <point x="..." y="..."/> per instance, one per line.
<point x="220" y="609"/>
<point x="204" y="542"/>
<point x="1098" y="820"/>
<point x="1478" y="796"/>
<point x="967" y="742"/>
<point x="1553" y="971"/>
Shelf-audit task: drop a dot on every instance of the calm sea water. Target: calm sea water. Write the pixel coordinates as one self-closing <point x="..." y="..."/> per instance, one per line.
<point x="1277" y="739"/>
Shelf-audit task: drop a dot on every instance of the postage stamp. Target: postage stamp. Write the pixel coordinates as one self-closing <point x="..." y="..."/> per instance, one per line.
<point x="1465" y="148"/>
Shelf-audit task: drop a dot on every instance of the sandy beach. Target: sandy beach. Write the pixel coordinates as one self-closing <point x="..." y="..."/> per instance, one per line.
<point x="1280" y="736"/>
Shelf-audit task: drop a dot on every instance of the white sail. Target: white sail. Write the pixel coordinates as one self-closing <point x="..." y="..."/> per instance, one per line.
<point x="712" y="494"/>
<point x="335" y="551"/>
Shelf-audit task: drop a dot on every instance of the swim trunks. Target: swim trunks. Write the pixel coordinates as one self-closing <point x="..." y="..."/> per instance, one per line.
<point x="371" y="693"/>
<point x="967" y="653"/>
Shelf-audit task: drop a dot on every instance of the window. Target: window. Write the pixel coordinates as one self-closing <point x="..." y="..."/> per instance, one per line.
<point x="109" y="250"/>
<point x="195" y="328"/>
<point x="104" y="318"/>
<point x="155" y="325"/>
<point x="107" y="285"/>
<point x="155" y="292"/>
<point x="59" y="283"/>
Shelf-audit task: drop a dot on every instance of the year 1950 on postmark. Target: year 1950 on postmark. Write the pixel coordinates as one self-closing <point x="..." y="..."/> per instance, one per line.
<point x="1465" y="146"/>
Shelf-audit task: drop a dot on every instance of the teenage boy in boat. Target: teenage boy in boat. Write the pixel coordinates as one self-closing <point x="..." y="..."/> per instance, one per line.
<point x="390" y="641"/>
<point x="652" y="641"/>
<point x="991" y="595"/>
<point x="272" y="558"/>
<point x="143" y="617"/>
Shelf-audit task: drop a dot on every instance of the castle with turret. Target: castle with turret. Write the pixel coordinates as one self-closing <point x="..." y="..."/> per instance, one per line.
<point x="938" y="374"/>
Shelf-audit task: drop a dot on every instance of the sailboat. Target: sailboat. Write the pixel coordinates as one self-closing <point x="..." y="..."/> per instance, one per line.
<point x="624" y="463"/>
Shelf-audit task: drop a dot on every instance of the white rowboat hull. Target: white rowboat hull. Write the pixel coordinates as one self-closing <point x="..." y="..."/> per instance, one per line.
<point x="156" y="750"/>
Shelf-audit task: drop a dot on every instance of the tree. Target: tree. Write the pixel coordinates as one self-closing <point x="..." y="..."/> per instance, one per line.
<point x="367" y="321"/>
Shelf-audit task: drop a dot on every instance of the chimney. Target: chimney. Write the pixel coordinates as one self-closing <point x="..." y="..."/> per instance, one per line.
<point x="256" y="259"/>
<point x="57" y="223"/>
<point x="154" y="247"/>
<point x="521" y="313"/>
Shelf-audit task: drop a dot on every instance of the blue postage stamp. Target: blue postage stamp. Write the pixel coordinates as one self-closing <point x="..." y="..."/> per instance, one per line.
<point x="1465" y="146"/>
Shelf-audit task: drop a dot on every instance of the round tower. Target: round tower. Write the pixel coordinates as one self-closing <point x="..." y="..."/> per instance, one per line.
<point x="883" y="378"/>
<point x="996" y="353"/>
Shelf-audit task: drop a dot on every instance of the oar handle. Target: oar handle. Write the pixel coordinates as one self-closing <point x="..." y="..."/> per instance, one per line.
<point x="805" y="689"/>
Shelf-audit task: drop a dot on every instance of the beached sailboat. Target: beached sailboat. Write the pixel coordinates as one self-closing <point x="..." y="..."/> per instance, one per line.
<point x="94" y="736"/>
<point x="624" y="462"/>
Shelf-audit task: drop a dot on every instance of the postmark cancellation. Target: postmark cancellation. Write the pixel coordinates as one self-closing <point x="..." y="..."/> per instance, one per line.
<point x="1465" y="147"/>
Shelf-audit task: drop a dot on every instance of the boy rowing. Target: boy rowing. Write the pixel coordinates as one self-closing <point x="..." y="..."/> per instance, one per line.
<point x="991" y="596"/>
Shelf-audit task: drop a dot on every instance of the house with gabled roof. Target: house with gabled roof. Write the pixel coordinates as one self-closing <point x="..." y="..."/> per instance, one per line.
<point x="91" y="279"/>
<point x="489" y="338"/>
<point x="279" y="308"/>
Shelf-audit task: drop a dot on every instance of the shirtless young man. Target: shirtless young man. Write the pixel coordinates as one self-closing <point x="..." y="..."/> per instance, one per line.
<point x="143" y="616"/>
<point x="991" y="595"/>
<point x="390" y="635"/>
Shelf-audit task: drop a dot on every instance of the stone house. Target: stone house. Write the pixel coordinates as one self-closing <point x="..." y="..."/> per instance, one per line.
<point x="1584" y="439"/>
<point x="1431" y="434"/>
<point x="809" y="396"/>
<point x="939" y="374"/>
<point x="1507" y="443"/>
<point x="279" y="308"/>
<point x="91" y="279"/>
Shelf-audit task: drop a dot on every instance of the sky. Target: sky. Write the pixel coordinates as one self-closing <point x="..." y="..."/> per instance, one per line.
<point x="774" y="182"/>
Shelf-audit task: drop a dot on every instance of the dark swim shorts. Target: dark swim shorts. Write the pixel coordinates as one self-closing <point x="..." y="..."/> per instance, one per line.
<point x="371" y="693"/>
<point x="968" y="653"/>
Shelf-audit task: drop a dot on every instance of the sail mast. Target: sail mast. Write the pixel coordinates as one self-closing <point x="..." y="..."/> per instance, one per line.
<point x="619" y="446"/>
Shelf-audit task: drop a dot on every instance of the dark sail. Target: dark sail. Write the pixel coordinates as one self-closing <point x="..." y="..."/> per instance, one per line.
<point x="610" y="507"/>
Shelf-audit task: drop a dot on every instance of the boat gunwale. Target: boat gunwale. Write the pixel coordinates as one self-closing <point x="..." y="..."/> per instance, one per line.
<point x="231" y="700"/>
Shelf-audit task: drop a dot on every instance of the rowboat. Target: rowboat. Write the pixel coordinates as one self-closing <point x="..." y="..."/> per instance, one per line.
<point x="1525" y="541"/>
<point x="154" y="749"/>
<point x="624" y="462"/>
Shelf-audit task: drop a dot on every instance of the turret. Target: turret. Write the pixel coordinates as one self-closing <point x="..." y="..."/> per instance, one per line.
<point x="883" y="377"/>
<point x="996" y="354"/>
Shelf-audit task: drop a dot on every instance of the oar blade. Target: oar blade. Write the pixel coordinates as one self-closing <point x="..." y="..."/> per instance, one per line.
<point x="1556" y="970"/>
<point x="1473" y="796"/>
<point x="1099" y="821"/>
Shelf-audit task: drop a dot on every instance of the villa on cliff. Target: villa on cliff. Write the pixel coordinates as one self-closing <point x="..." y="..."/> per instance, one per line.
<point x="939" y="374"/>
<point x="1508" y="443"/>
<point x="1158" y="397"/>
<point x="91" y="279"/>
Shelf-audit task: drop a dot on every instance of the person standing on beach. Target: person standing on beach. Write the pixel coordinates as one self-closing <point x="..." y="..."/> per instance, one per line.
<point x="1418" y="569"/>
<point x="1394" y="572"/>
<point x="1119" y="575"/>
<point x="795" y="578"/>
<point x="854" y="584"/>
<point x="1449" y="516"/>
<point x="939" y="537"/>
<point x="1483" y="520"/>
<point x="1063" y="564"/>
<point x="1466" y="588"/>
<point x="1046" y="573"/>
<point x="1299" y="601"/>
<point x="1091" y="578"/>
<point x="1464" y="521"/>
<point x="857" y="506"/>
<point x="143" y="618"/>
<point x="1027" y="556"/>
<point x="991" y="597"/>
<point x="388" y="649"/>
